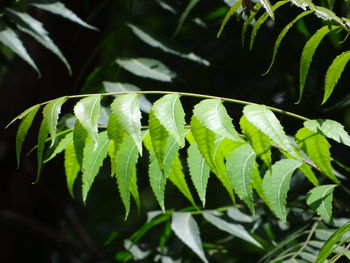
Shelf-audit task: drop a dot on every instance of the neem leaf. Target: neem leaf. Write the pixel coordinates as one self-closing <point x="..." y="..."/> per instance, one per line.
<point x="334" y="72"/>
<point x="87" y="111"/>
<point x="229" y="227"/>
<point x="307" y="54"/>
<point x="186" y="229"/>
<point x="42" y="136"/>
<point x="94" y="154"/>
<point x="264" y="119"/>
<point x="27" y="119"/>
<point x="213" y="115"/>
<point x="79" y="139"/>
<point x="240" y="166"/>
<point x="125" y="163"/>
<point x="147" y="68"/>
<point x="51" y="112"/>
<point x="329" y="128"/>
<point x="228" y="15"/>
<point x="276" y="185"/>
<point x="191" y="4"/>
<point x="168" y="110"/>
<point x="317" y="148"/>
<point x="62" y="145"/>
<point x="249" y="21"/>
<point x="60" y="9"/>
<point x="71" y="167"/>
<point x="199" y="170"/>
<point x="268" y="8"/>
<point x="126" y="109"/>
<point x="320" y="199"/>
<point x="282" y="35"/>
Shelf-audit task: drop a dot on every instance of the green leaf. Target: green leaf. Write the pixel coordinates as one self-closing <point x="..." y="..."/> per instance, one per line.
<point x="191" y="4"/>
<point x="168" y="110"/>
<point x="79" y="139"/>
<point x="134" y="190"/>
<point x="264" y="119"/>
<point x="262" y="19"/>
<point x="329" y="247"/>
<point x="62" y="145"/>
<point x="249" y="20"/>
<point x="147" y="68"/>
<point x="258" y="183"/>
<point x="177" y="177"/>
<point x="199" y="170"/>
<point x="307" y="54"/>
<point x="268" y="8"/>
<point x="317" y="148"/>
<point x="213" y="115"/>
<point x="259" y="141"/>
<point x="303" y="4"/>
<point x="87" y="111"/>
<point x="35" y="29"/>
<point x="9" y="38"/>
<point x="159" y="136"/>
<point x="51" y="112"/>
<point x="60" y="9"/>
<point x="111" y="87"/>
<point x="23" y="114"/>
<point x="164" y="44"/>
<point x="42" y="136"/>
<point x="236" y="230"/>
<point x="94" y="154"/>
<point x="126" y="109"/>
<point x="282" y="35"/>
<point x="240" y="165"/>
<point x="115" y="131"/>
<point x="320" y="199"/>
<point x="186" y="229"/>
<point x="170" y="154"/>
<point x="228" y="15"/>
<point x="125" y="164"/>
<point x="329" y="128"/>
<point x="327" y="14"/>
<point x="71" y="167"/>
<point x="27" y="119"/>
<point x="334" y="72"/>
<point x="276" y="186"/>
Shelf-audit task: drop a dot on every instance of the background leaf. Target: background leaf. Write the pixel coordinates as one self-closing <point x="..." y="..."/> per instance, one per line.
<point x="227" y="17"/>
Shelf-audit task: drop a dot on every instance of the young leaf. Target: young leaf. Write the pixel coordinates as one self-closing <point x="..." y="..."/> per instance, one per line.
<point x="258" y="140"/>
<point x="213" y="115"/>
<point x="262" y="20"/>
<point x="264" y="119"/>
<point x="115" y="131"/>
<point x="159" y="136"/>
<point x="239" y="167"/>
<point x="229" y="227"/>
<point x="249" y="21"/>
<point x="276" y="186"/>
<point x="94" y="154"/>
<point x="157" y="180"/>
<point x="27" y="120"/>
<point x="329" y="128"/>
<point x="42" y="136"/>
<point x="282" y="35"/>
<point x="62" y="145"/>
<point x="334" y="72"/>
<point x="9" y="38"/>
<point x="268" y="8"/>
<point x="71" y="167"/>
<point x="199" y="170"/>
<point x="228" y="15"/>
<point x="125" y="164"/>
<point x="186" y="229"/>
<point x="51" y="112"/>
<point x="164" y="44"/>
<point x="126" y="109"/>
<point x="79" y="139"/>
<point x="87" y="111"/>
<point x="60" y="9"/>
<point x="168" y="110"/>
<point x="147" y="68"/>
<point x="111" y="87"/>
<point x="177" y="177"/>
<point x="35" y="29"/>
<point x="320" y="199"/>
<point x="329" y="246"/>
<point x="307" y="54"/>
<point x="316" y="147"/>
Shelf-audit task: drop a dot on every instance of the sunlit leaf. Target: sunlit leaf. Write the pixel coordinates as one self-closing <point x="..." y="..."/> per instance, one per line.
<point x="268" y="8"/>
<point x="62" y="145"/>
